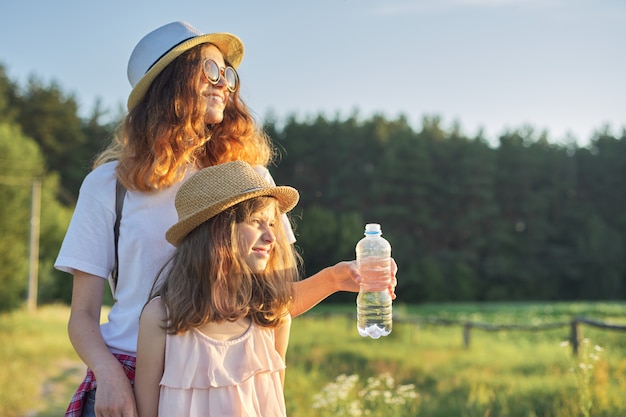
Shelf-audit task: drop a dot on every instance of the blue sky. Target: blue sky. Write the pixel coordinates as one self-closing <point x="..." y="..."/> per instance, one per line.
<point x="556" y="65"/>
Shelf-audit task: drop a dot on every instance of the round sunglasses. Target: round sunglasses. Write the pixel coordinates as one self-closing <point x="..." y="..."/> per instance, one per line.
<point x="214" y="73"/>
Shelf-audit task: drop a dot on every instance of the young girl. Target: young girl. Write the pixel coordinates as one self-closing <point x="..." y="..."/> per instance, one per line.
<point x="213" y="337"/>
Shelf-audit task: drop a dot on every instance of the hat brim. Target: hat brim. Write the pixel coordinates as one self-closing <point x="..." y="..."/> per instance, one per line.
<point x="230" y="45"/>
<point x="287" y="199"/>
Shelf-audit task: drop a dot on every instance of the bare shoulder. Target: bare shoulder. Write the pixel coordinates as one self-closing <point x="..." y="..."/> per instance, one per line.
<point x="154" y="313"/>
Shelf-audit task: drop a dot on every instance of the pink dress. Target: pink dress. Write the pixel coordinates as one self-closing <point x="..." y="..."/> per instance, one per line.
<point x="205" y="377"/>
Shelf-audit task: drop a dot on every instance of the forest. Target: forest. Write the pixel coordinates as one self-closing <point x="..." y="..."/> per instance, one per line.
<point x="517" y="217"/>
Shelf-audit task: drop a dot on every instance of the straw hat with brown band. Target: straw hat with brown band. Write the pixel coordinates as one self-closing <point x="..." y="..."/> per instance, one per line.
<point x="214" y="189"/>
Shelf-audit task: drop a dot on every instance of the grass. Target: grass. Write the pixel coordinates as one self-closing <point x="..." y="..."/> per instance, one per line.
<point x="507" y="373"/>
<point x="40" y="368"/>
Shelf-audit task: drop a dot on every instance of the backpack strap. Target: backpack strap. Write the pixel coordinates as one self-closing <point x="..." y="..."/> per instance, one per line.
<point x="120" y="192"/>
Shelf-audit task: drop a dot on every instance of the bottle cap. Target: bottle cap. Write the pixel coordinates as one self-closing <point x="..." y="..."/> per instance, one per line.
<point x="372" y="229"/>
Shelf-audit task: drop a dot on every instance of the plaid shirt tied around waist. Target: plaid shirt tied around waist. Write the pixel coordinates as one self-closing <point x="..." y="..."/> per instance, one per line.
<point x="75" y="409"/>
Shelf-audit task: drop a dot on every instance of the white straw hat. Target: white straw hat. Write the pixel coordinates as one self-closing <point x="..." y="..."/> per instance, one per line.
<point x="214" y="189"/>
<point x="160" y="47"/>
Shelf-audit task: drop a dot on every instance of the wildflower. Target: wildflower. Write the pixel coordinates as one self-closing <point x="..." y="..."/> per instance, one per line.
<point x="379" y="397"/>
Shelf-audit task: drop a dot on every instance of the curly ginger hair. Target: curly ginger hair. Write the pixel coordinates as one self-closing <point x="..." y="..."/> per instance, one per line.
<point x="165" y="134"/>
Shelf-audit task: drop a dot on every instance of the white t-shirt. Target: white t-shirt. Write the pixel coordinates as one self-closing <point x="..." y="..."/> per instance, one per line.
<point x="88" y="246"/>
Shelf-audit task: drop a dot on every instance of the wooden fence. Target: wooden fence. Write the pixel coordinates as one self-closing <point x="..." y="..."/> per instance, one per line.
<point x="574" y="325"/>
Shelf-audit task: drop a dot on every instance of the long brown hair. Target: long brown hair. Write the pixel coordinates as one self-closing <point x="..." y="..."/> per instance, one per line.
<point x="207" y="280"/>
<point x="165" y="133"/>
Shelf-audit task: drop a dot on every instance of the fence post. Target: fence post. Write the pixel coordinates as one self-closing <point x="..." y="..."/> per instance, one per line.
<point x="466" y="334"/>
<point x="574" y="337"/>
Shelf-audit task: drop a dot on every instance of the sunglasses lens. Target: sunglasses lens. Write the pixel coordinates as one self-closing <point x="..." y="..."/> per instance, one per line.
<point x="231" y="78"/>
<point x="211" y="71"/>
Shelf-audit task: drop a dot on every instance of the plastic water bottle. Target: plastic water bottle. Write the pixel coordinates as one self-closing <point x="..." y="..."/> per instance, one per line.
<point x="373" y="257"/>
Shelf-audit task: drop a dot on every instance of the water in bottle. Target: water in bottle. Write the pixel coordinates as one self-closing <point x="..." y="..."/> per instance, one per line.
<point x="373" y="256"/>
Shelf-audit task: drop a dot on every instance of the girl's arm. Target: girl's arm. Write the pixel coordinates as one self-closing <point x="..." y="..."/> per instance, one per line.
<point x="150" y="358"/>
<point x="343" y="276"/>
<point x="281" y="341"/>
<point x="114" y="395"/>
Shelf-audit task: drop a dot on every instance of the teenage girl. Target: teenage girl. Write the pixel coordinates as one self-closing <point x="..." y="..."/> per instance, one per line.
<point x="185" y="113"/>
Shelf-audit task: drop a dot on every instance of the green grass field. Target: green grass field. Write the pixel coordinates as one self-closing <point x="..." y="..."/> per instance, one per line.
<point x="421" y="369"/>
<point x="39" y="365"/>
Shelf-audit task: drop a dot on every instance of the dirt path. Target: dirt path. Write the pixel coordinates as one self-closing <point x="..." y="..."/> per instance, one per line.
<point x="56" y="392"/>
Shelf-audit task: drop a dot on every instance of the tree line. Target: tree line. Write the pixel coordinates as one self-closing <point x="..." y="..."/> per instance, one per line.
<point x="518" y="218"/>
